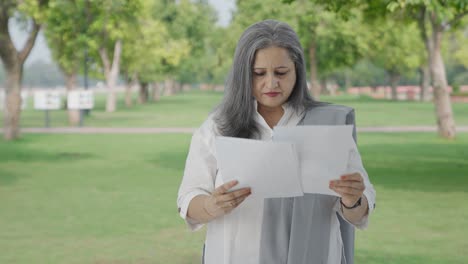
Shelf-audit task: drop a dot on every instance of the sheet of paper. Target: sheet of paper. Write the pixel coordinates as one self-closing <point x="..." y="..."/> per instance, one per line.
<point x="323" y="153"/>
<point x="270" y="169"/>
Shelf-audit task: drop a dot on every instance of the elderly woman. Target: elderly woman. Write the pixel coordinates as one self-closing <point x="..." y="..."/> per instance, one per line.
<point x="265" y="88"/>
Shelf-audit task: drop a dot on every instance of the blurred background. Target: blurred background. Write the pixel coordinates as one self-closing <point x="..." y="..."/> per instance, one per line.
<point x="99" y="99"/>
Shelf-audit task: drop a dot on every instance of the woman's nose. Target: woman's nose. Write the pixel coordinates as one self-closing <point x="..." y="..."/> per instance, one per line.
<point x="272" y="81"/>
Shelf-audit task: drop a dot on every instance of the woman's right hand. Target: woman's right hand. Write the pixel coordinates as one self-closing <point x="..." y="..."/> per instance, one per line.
<point x="221" y="201"/>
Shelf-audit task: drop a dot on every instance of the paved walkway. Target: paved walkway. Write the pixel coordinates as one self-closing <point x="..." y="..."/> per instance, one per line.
<point x="189" y="130"/>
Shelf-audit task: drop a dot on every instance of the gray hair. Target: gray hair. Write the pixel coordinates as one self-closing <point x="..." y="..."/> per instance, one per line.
<point x="234" y="117"/>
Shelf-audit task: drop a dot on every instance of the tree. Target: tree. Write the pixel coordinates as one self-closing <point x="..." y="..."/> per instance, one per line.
<point x="441" y="16"/>
<point x="66" y="36"/>
<point x="331" y="42"/>
<point x="109" y="22"/>
<point x="195" y="22"/>
<point x="33" y="12"/>
<point x="151" y="51"/>
<point x="434" y="18"/>
<point x="189" y="22"/>
<point x="396" y="48"/>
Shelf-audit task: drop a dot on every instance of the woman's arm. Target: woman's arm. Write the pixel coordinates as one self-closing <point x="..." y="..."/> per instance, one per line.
<point x="198" y="200"/>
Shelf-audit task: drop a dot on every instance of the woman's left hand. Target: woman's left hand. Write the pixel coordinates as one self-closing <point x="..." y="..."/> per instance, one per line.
<point x="350" y="187"/>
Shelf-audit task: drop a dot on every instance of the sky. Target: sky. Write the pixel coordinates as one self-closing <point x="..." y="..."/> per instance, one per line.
<point x="41" y="52"/>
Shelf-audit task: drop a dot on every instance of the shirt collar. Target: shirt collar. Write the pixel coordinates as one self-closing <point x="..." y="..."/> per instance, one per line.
<point x="289" y="118"/>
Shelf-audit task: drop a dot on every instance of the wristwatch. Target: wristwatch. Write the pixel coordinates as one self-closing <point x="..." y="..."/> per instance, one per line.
<point x="358" y="203"/>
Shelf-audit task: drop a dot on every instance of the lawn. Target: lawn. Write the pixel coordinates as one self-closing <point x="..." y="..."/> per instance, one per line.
<point x="190" y="108"/>
<point x="112" y="199"/>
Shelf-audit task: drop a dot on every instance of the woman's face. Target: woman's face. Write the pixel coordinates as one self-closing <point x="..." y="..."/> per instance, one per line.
<point x="274" y="76"/>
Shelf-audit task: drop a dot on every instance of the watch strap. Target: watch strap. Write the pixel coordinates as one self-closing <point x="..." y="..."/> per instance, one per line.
<point x="358" y="203"/>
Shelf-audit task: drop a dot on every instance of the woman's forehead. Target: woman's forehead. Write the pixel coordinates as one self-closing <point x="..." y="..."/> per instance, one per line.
<point x="275" y="57"/>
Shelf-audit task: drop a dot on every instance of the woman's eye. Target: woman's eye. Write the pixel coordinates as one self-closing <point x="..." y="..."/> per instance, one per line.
<point x="281" y="73"/>
<point x="259" y="73"/>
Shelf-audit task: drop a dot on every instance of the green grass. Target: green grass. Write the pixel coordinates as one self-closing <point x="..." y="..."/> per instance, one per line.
<point x="112" y="199"/>
<point x="189" y="109"/>
<point x="181" y="110"/>
<point x="372" y="112"/>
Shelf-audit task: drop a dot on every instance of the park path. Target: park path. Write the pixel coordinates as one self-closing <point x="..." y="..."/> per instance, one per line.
<point x="190" y="130"/>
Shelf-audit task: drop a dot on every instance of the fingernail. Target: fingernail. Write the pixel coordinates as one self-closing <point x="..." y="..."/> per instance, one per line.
<point x="343" y="177"/>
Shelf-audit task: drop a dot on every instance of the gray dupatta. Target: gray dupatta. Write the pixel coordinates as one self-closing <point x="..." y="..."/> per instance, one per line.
<point x="297" y="230"/>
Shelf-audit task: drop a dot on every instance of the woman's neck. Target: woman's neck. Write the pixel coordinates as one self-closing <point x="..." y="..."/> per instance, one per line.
<point x="271" y="115"/>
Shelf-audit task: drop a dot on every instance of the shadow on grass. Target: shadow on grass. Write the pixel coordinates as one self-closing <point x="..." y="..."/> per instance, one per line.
<point x="366" y="99"/>
<point x="21" y="151"/>
<point x="7" y="177"/>
<point x="418" y="166"/>
<point x="174" y="160"/>
<point x="12" y="152"/>
<point x="380" y="257"/>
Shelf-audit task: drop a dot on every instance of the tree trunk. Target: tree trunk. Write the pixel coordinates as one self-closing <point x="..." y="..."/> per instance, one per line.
<point x="128" y="91"/>
<point x="443" y="105"/>
<point x="188" y="87"/>
<point x="323" y="86"/>
<point x="13" y="61"/>
<point x="394" y="80"/>
<point x="128" y="94"/>
<point x="169" y="87"/>
<point x="143" y="93"/>
<point x="12" y="110"/>
<point x="425" y="71"/>
<point x="73" y="114"/>
<point x="111" y="72"/>
<point x="347" y="76"/>
<point x="178" y="87"/>
<point x="156" y="92"/>
<point x="424" y="82"/>
<point x="314" y="81"/>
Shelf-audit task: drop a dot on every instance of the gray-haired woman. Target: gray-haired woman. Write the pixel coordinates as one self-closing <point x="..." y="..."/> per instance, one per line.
<point x="265" y="88"/>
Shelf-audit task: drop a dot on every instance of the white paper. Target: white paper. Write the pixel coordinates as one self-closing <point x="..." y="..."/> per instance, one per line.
<point x="270" y="169"/>
<point x="323" y="153"/>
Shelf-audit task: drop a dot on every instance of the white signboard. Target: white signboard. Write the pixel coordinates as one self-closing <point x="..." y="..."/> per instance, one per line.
<point x="24" y="100"/>
<point x="83" y="99"/>
<point x="47" y="100"/>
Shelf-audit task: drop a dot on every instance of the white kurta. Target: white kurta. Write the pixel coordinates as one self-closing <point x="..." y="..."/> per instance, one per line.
<point x="235" y="238"/>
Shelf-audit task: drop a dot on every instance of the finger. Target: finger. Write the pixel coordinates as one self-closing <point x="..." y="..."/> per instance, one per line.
<point x="351" y="184"/>
<point x="347" y="191"/>
<point x="232" y="196"/>
<point x="225" y="187"/>
<point x="234" y="203"/>
<point x="352" y="177"/>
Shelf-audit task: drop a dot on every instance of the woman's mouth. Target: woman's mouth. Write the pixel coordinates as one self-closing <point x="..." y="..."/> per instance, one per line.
<point x="272" y="94"/>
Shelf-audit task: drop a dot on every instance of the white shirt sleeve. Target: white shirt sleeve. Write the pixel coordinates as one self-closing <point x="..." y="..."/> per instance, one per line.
<point x="199" y="174"/>
<point x="355" y="165"/>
